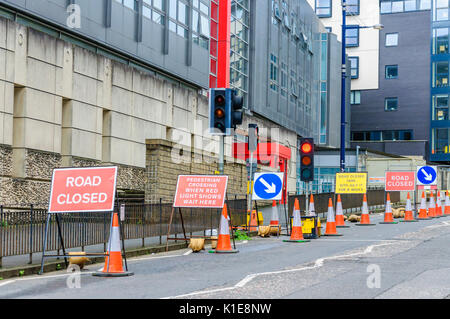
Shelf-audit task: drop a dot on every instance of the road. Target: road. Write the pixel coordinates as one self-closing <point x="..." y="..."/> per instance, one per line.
<point x="406" y="260"/>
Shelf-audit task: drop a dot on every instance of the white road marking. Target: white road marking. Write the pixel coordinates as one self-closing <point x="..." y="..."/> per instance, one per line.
<point x="41" y="277"/>
<point x="318" y="263"/>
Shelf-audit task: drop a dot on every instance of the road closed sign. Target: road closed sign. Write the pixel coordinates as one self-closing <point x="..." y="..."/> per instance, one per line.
<point x="86" y="189"/>
<point x="351" y="183"/>
<point x="207" y="191"/>
<point x="400" y="181"/>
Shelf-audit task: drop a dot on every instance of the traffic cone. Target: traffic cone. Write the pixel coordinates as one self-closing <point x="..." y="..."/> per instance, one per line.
<point x="423" y="208"/>
<point x="340" y="222"/>
<point x="113" y="261"/>
<point x="223" y="240"/>
<point x="409" y="217"/>
<point x="439" y="212"/>
<point x="432" y="207"/>
<point x="388" y="218"/>
<point x="253" y="221"/>
<point x="447" y="204"/>
<point x="365" y="219"/>
<point x="297" y="233"/>
<point x="330" y="229"/>
<point x="312" y="211"/>
<point x="275" y="222"/>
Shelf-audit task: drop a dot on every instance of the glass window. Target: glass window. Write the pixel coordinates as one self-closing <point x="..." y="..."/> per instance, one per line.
<point x="397" y="6"/>
<point x="440" y="70"/>
<point x="391" y="71"/>
<point x="441" y="10"/>
<point x="323" y="8"/>
<point x="274" y="72"/>
<point x="410" y="5"/>
<point x="355" y="97"/>
<point x="352" y="7"/>
<point x="440" y="107"/>
<point x="425" y="4"/>
<point x="352" y="36"/>
<point x="386" y="7"/>
<point x="390" y="104"/>
<point x="440" y="141"/>
<point x="440" y="39"/>
<point x="354" y="66"/>
<point x="391" y="39"/>
<point x="130" y="4"/>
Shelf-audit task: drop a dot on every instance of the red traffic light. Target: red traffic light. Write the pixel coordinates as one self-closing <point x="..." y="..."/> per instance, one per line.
<point x="220" y="100"/>
<point x="306" y="148"/>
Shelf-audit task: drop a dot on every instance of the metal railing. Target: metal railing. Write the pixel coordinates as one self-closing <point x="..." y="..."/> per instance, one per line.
<point x="22" y="230"/>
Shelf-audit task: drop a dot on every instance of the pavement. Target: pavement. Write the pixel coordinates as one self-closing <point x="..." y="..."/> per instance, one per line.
<point x="405" y="260"/>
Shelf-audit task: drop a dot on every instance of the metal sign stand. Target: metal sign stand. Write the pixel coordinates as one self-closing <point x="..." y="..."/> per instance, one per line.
<point x="61" y="241"/>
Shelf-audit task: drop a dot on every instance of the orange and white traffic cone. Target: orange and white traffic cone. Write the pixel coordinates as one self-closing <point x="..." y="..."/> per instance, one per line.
<point x="423" y="215"/>
<point x="365" y="219"/>
<point x="275" y="222"/>
<point x="224" y="240"/>
<point x="253" y="221"/>
<point x="113" y="261"/>
<point x="439" y="212"/>
<point x="447" y="204"/>
<point x="340" y="222"/>
<point x="409" y="217"/>
<point x="330" y="229"/>
<point x="432" y="207"/>
<point x="311" y="209"/>
<point x="388" y="218"/>
<point x="297" y="233"/>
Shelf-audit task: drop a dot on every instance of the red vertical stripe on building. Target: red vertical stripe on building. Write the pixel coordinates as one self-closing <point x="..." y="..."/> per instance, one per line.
<point x="222" y="46"/>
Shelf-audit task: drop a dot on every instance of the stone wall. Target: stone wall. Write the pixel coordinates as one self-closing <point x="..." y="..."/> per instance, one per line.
<point x="164" y="164"/>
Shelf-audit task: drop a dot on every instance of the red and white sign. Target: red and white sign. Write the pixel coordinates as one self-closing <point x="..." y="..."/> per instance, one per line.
<point x="87" y="189"/>
<point x="207" y="191"/>
<point x="400" y="181"/>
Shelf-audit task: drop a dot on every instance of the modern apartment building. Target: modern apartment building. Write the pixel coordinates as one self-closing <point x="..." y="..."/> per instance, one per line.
<point x="396" y="118"/>
<point x="362" y="40"/>
<point x="125" y="82"/>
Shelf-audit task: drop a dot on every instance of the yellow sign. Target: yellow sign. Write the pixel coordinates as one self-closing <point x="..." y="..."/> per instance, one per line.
<point x="351" y="183"/>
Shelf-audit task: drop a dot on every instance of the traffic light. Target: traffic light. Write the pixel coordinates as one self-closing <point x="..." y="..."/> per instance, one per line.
<point x="219" y="114"/>
<point x="307" y="159"/>
<point x="225" y="111"/>
<point x="237" y="103"/>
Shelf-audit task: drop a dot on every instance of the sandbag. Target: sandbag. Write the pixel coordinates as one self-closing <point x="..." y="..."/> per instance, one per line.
<point x="264" y="231"/>
<point x="80" y="261"/>
<point x="197" y="244"/>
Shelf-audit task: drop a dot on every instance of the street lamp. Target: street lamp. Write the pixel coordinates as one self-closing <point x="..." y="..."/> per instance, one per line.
<point x="344" y="76"/>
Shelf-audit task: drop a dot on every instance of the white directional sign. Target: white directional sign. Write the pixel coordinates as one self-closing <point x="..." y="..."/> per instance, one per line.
<point x="426" y="175"/>
<point x="267" y="186"/>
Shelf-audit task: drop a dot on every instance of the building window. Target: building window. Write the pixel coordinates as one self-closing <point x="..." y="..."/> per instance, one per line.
<point x="397" y="6"/>
<point x="391" y="71"/>
<point x="274" y="72"/>
<point x="323" y="8"/>
<point x="440" y="74"/>
<point x="329" y="29"/>
<point x="178" y="17"/>
<point x="391" y="39"/>
<point x="352" y="36"/>
<point x="154" y="10"/>
<point x="355" y="97"/>
<point x="284" y="79"/>
<point x="388" y="135"/>
<point x="441" y="10"/>
<point x="440" y="41"/>
<point x="200" y="24"/>
<point x="352" y="7"/>
<point x="440" y="107"/>
<point x="440" y="141"/>
<point x="354" y="66"/>
<point x="391" y="104"/>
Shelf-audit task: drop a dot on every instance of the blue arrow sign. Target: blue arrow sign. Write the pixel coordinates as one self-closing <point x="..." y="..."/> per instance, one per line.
<point x="426" y="175"/>
<point x="268" y="186"/>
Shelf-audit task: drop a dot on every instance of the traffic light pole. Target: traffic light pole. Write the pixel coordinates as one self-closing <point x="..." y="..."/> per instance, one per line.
<point x="221" y="154"/>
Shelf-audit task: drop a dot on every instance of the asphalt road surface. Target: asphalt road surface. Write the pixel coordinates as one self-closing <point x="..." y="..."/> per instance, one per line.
<point x="406" y="260"/>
